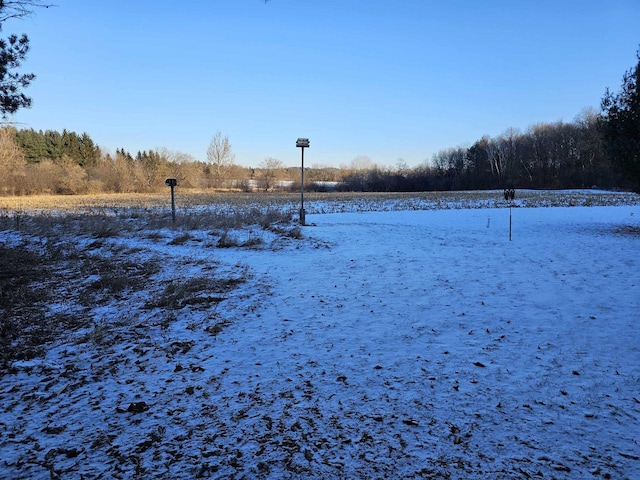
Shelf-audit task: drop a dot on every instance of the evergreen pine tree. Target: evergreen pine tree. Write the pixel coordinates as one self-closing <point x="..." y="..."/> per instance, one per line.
<point x="621" y="125"/>
<point x="89" y="152"/>
<point x="13" y="51"/>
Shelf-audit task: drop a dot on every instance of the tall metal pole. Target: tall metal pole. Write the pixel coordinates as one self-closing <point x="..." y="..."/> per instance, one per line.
<point x="302" y="213"/>
<point x="302" y="143"/>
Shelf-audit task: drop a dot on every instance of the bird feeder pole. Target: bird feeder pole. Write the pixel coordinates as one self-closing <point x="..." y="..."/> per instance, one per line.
<point x="302" y="143"/>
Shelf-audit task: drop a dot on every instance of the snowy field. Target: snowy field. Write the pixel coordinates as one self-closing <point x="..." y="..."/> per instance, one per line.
<point x="389" y="344"/>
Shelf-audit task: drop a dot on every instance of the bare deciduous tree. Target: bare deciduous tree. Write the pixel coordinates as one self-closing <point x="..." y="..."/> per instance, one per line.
<point x="12" y="161"/>
<point x="220" y="158"/>
<point x="270" y="168"/>
<point x="360" y="167"/>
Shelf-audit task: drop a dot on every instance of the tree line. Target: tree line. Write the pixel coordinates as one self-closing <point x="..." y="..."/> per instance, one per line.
<point x="51" y="162"/>
<point x="549" y="155"/>
<point x="546" y="155"/>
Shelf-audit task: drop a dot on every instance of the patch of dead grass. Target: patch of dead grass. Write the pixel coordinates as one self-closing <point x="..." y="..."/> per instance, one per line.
<point x="198" y="291"/>
<point x="26" y="279"/>
<point x="633" y="230"/>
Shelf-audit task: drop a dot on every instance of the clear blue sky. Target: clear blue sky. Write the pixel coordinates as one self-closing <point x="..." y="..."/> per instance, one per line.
<point x="381" y="78"/>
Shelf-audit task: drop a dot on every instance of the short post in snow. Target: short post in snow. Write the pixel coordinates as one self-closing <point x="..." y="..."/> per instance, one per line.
<point x="302" y="143"/>
<point x="172" y="182"/>
<point x="510" y="196"/>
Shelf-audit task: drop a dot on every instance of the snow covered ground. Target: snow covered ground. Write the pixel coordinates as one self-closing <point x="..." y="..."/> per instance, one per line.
<point x="394" y="344"/>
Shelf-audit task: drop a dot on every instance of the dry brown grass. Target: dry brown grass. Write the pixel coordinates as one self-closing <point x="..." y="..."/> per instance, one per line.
<point x="118" y="215"/>
<point x="227" y="202"/>
<point x="629" y="230"/>
<point x="66" y="258"/>
<point x="30" y="281"/>
<point x="115" y="202"/>
<point x="52" y="290"/>
<point x="194" y="291"/>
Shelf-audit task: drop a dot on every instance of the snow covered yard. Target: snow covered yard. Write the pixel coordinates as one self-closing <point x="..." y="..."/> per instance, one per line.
<point x="395" y="344"/>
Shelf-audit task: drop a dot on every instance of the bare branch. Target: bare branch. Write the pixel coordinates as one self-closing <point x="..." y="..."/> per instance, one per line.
<point x="19" y="8"/>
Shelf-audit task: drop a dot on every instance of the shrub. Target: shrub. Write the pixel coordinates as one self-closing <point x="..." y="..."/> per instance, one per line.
<point x="181" y="239"/>
<point x="227" y="240"/>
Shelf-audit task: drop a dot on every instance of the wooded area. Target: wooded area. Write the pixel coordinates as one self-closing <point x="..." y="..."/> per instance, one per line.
<point x="557" y="155"/>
